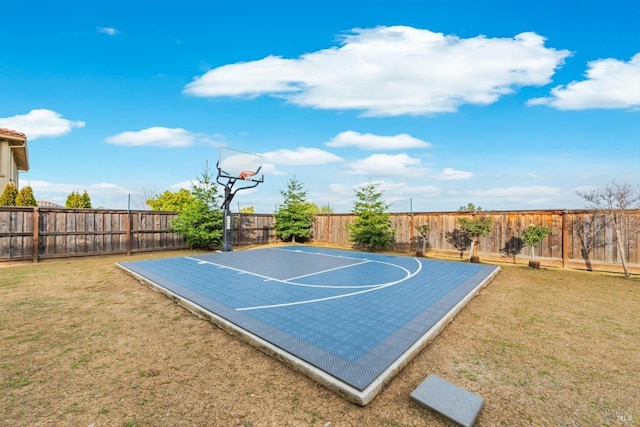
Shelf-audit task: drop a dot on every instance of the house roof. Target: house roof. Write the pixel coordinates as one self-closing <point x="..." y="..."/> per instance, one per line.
<point x="18" y="143"/>
<point x="47" y="204"/>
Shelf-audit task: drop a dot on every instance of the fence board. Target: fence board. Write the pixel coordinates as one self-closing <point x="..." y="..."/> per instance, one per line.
<point x="79" y="232"/>
<point x="589" y="237"/>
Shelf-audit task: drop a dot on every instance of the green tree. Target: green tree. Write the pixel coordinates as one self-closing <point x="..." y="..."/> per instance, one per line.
<point x="371" y="227"/>
<point x="85" y="200"/>
<point x="534" y="235"/>
<point x="77" y="200"/>
<point x="201" y="222"/>
<point x="476" y="227"/>
<point x="73" y="200"/>
<point x="295" y="216"/>
<point x="9" y="195"/>
<point x="469" y="208"/>
<point x="247" y="210"/>
<point x="171" y="201"/>
<point x="26" y="197"/>
<point x="321" y="209"/>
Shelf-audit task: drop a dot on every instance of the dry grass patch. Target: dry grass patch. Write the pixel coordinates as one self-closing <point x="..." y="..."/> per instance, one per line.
<point x="82" y="342"/>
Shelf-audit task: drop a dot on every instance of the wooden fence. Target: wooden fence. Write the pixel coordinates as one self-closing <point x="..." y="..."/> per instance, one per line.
<point x="248" y="229"/>
<point x="578" y="239"/>
<point x="81" y="232"/>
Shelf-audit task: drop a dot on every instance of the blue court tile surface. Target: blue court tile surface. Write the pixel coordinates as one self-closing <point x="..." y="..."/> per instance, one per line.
<point x="350" y="320"/>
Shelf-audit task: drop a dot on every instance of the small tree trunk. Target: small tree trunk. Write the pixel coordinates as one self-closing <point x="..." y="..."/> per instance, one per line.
<point x="532" y="262"/>
<point x="473" y="242"/>
<point x="619" y="240"/>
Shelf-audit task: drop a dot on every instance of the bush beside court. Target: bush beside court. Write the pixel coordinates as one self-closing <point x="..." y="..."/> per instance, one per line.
<point x="83" y="343"/>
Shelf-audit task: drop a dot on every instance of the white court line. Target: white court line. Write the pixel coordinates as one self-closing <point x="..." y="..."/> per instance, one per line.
<point x="316" y="253"/>
<point x="311" y="301"/>
<point x="325" y="271"/>
<point x="303" y="285"/>
<point x="200" y="261"/>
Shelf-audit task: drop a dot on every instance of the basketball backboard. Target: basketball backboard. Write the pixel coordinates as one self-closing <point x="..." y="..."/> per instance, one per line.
<point x="235" y="164"/>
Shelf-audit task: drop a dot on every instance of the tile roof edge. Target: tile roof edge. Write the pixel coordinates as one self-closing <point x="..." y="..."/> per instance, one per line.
<point x="11" y="132"/>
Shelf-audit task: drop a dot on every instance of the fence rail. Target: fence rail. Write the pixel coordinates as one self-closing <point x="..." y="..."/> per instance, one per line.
<point x="579" y="239"/>
<point x="80" y="232"/>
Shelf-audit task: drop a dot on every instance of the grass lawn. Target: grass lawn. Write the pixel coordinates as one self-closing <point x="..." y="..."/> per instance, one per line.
<point x="82" y="342"/>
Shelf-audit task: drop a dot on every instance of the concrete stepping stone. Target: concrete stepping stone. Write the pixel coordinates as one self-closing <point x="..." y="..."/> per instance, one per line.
<point x="453" y="402"/>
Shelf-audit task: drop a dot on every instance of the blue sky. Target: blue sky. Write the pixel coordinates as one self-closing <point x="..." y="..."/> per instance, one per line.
<point x="507" y="104"/>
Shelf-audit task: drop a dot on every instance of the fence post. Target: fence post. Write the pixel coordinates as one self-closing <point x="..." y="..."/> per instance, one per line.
<point x="36" y="234"/>
<point x="328" y="228"/>
<point x="411" y="235"/>
<point x="565" y="239"/>
<point x="238" y="228"/>
<point x="128" y="233"/>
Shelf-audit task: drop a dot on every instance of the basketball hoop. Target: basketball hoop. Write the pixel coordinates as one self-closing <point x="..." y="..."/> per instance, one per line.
<point x="247" y="175"/>
<point x="235" y="166"/>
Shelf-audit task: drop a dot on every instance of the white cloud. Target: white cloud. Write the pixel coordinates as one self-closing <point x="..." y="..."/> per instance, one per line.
<point x="609" y="83"/>
<point x="110" y="31"/>
<point x="188" y="185"/>
<point x="518" y="192"/>
<point x="157" y="136"/>
<point x="379" y="165"/>
<point x="301" y="156"/>
<point x="99" y="188"/>
<point x="102" y="194"/>
<point x="271" y="169"/>
<point x="182" y="185"/>
<point x="369" y="141"/>
<point x="404" y="189"/>
<point x="340" y="190"/>
<point x="449" y="174"/>
<point x="391" y="71"/>
<point x="269" y="75"/>
<point x="342" y="196"/>
<point x="399" y="193"/>
<point x="40" y="123"/>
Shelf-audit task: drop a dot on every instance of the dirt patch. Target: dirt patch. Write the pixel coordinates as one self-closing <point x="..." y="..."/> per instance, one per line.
<point x="82" y="343"/>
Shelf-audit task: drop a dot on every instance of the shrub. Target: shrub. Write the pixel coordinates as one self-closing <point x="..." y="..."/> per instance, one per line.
<point x="534" y="235"/>
<point x="77" y="200"/>
<point x="26" y="197"/>
<point x="476" y="227"/>
<point x="9" y="195"/>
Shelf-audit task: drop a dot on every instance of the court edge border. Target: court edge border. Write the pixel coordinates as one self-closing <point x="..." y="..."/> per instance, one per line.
<point x="341" y="388"/>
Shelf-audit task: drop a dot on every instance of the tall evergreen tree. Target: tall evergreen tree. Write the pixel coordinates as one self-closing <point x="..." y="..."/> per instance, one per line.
<point x="295" y="216"/>
<point x="72" y="200"/>
<point x="201" y="222"/>
<point x="77" y="200"/>
<point x="9" y="195"/>
<point x="26" y="197"/>
<point x="85" y="200"/>
<point x="371" y="227"/>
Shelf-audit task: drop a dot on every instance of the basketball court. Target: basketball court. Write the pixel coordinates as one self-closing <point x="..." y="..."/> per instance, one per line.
<point x="349" y="320"/>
